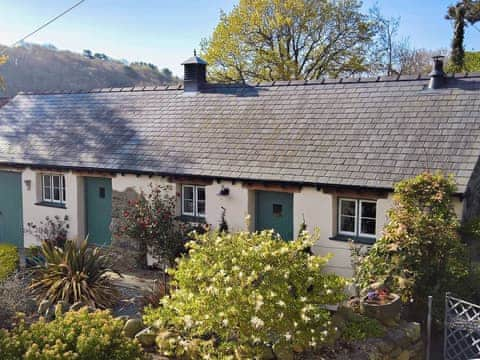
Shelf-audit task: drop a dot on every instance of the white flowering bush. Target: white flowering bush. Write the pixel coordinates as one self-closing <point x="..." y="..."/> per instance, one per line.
<point x="241" y="294"/>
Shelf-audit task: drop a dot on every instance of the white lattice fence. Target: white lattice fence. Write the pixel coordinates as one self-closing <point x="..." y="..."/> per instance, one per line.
<point x="462" y="329"/>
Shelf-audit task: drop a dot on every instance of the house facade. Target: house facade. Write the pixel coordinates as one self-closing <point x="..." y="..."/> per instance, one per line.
<point x="324" y="152"/>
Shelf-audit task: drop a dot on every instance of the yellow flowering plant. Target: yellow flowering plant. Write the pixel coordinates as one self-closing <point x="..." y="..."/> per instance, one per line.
<point x="76" y="335"/>
<point x="241" y="294"/>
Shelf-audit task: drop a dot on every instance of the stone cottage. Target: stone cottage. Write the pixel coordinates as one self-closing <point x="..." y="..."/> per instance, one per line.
<point x="325" y="151"/>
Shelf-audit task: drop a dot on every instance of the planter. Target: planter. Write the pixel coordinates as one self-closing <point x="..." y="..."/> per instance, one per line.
<point x="384" y="312"/>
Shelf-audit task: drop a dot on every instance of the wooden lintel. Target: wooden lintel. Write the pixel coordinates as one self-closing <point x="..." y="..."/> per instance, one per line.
<point x="272" y="187"/>
<point x="357" y="193"/>
<point x="190" y="180"/>
<point x="101" y="174"/>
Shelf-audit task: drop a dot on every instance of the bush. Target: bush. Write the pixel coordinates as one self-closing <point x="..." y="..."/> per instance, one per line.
<point x="360" y="327"/>
<point x="77" y="273"/>
<point x="420" y="252"/>
<point x="76" y="335"/>
<point x="8" y="260"/>
<point x="241" y="293"/>
<point x="151" y="219"/>
<point x="53" y="230"/>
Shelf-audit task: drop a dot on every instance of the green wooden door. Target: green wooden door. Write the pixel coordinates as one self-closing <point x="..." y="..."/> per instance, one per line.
<point x="11" y="218"/>
<point x="274" y="210"/>
<point x="98" y="204"/>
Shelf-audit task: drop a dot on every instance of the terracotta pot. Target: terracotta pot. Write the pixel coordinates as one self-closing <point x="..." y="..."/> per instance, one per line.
<point x="382" y="312"/>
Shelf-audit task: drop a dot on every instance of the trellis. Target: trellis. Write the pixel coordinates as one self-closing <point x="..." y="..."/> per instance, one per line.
<point x="462" y="329"/>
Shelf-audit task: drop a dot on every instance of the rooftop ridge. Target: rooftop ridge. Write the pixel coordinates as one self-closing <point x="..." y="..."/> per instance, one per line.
<point x="329" y="81"/>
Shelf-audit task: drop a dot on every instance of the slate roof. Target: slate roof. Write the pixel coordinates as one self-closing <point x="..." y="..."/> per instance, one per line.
<point x="368" y="133"/>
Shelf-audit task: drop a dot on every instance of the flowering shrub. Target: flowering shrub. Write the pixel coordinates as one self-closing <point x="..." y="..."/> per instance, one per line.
<point x="8" y="260"/>
<point x="53" y="229"/>
<point x="420" y="252"/>
<point x="151" y="220"/>
<point x="240" y="293"/>
<point x="76" y="335"/>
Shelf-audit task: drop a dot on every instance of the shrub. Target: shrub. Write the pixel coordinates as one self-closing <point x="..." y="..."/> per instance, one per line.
<point x="77" y="273"/>
<point x="8" y="260"/>
<point x="240" y="293"/>
<point x="361" y="327"/>
<point x="420" y="252"/>
<point x="76" y="335"/>
<point x="53" y="230"/>
<point x="151" y="219"/>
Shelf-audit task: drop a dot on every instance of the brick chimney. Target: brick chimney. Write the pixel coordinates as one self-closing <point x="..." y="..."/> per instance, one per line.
<point x="195" y="73"/>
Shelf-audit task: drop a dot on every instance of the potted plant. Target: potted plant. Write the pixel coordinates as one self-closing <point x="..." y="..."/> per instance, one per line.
<point x="381" y="304"/>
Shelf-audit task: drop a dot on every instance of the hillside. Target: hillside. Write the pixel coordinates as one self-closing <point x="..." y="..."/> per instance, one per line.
<point x="43" y="68"/>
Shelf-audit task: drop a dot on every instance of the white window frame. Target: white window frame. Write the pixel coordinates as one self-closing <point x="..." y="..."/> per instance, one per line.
<point x="340" y="231"/>
<point x="358" y="218"/>
<point x="61" y="188"/>
<point x="195" y="212"/>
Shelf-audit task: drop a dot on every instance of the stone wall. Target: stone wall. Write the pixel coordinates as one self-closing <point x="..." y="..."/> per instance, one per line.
<point x="125" y="251"/>
<point x="402" y="342"/>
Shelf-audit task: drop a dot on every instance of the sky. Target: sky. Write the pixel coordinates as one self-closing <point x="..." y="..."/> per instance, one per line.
<point x="165" y="32"/>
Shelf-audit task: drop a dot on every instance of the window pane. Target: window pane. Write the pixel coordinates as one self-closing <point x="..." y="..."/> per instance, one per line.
<point x="188" y="193"/>
<point x="201" y="208"/>
<point x="56" y="194"/>
<point x="367" y="226"/>
<point x="46" y="193"/>
<point x="188" y="206"/>
<point x="347" y="224"/>
<point x="348" y="207"/>
<point x="201" y="194"/>
<point x="56" y="181"/>
<point x="369" y="210"/>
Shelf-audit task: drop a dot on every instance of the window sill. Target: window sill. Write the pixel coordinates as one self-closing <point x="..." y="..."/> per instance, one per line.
<point x="192" y="219"/>
<point x="355" y="239"/>
<point x="50" y="204"/>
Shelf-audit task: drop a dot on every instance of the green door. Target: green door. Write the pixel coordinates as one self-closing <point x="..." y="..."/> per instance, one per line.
<point x="98" y="204"/>
<point x="274" y="210"/>
<point x="11" y="218"/>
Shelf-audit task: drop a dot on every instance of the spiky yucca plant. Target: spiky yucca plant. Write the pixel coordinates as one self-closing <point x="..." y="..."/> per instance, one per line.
<point x="77" y="273"/>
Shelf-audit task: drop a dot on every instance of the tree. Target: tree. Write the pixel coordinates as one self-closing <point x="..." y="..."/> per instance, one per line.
<point x="463" y="13"/>
<point x="471" y="63"/>
<point x="265" y="40"/>
<point x="386" y="46"/>
<point x="420" y="252"/>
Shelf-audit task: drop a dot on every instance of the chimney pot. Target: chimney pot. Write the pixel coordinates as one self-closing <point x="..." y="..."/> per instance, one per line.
<point x="437" y="76"/>
<point x="195" y="73"/>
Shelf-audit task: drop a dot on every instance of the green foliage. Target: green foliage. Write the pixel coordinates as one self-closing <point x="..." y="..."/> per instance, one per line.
<point x="420" y="252"/>
<point x="76" y="335"/>
<point x="471" y="63"/>
<point x="265" y="40"/>
<point x="361" y="327"/>
<point x="151" y="219"/>
<point x="77" y="273"/>
<point x="462" y="13"/>
<point x="239" y="293"/>
<point x="8" y="260"/>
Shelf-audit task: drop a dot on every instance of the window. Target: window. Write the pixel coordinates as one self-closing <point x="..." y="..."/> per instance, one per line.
<point x="357" y="217"/>
<point x="53" y="189"/>
<point x="193" y="200"/>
